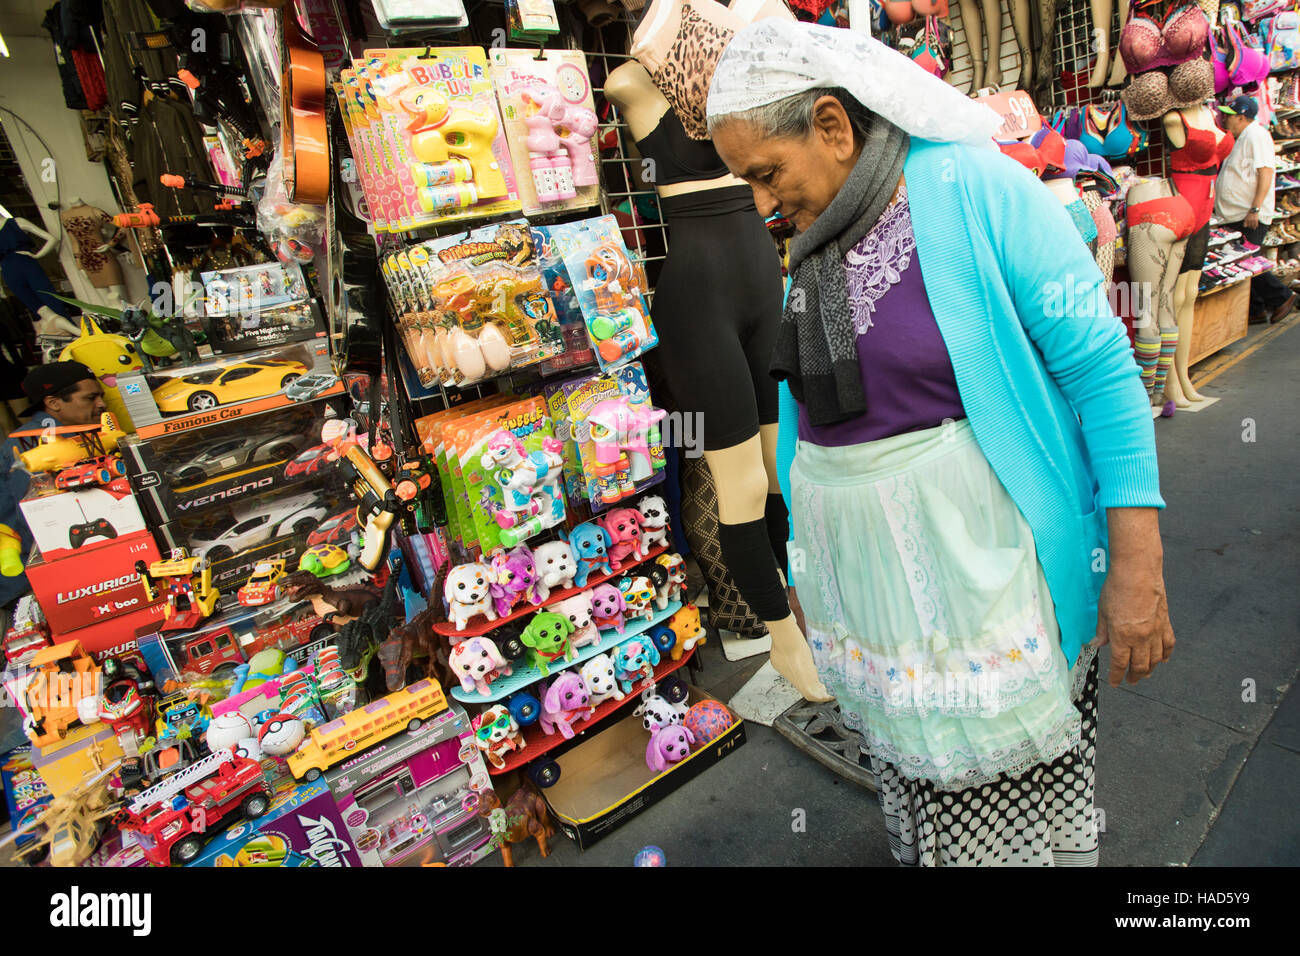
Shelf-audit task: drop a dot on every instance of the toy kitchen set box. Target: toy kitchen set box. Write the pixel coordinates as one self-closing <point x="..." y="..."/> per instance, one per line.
<point x="414" y="798"/>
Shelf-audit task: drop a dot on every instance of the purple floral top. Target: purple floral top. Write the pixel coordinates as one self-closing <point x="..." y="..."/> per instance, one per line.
<point x="907" y="374"/>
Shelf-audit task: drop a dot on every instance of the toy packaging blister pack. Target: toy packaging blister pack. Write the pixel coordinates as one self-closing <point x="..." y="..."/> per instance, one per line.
<point x="615" y="431"/>
<point x="610" y="288"/>
<point x="551" y="124"/>
<point x="473" y="306"/>
<point x="442" y="147"/>
<point x="510" y="465"/>
<point x="578" y="351"/>
<point x="258" y="306"/>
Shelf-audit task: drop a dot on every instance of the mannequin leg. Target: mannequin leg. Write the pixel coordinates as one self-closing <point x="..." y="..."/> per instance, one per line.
<point x="1184" y="293"/>
<point x="1118" y="72"/>
<point x="1186" y="320"/>
<point x="1168" y="324"/>
<point x="993" y="25"/>
<point x="974" y="27"/>
<point x="1043" y="65"/>
<point x="1149" y="249"/>
<point x="1024" y="40"/>
<point x="1101" y="34"/>
<point x="743" y="482"/>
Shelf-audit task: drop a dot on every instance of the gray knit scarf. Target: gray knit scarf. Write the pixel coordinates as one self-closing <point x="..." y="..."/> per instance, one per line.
<point x="816" y="349"/>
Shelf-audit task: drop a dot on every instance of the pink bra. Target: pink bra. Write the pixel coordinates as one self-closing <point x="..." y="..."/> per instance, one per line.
<point x="1146" y="44"/>
<point x="1249" y="65"/>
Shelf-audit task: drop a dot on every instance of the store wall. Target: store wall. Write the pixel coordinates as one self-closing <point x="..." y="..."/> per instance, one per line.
<point x="29" y="85"/>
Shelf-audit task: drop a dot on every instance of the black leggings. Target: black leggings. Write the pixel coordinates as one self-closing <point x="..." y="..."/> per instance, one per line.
<point x="717" y="306"/>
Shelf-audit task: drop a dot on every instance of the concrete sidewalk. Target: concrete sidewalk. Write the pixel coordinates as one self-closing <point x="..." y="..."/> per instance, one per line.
<point x="1198" y="765"/>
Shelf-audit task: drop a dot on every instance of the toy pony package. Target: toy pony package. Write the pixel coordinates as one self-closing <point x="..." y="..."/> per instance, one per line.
<point x="609" y="288"/>
<point x="510" y="462"/>
<point x="424" y="127"/>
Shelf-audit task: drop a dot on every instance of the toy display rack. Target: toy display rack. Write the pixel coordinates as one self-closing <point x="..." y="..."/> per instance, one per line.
<point x="522" y="675"/>
<point x="481" y="626"/>
<point x="537" y="743"/>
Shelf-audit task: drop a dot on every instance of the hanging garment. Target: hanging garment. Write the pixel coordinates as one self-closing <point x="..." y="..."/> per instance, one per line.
<point x="86" y="225"/>
<point x="23" y="274"/>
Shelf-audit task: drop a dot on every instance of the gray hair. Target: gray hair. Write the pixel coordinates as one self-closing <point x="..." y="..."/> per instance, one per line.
<point x="792" y="116"/>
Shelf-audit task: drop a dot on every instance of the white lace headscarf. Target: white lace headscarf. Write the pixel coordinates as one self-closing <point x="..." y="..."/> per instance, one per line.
<point x="772" y="59"/>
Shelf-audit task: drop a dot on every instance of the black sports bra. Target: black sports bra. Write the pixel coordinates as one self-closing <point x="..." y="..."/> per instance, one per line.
<point x="677" y="157"/>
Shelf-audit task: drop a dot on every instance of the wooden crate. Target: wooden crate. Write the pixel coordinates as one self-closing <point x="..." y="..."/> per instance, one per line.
<point x="1221" y="318"/>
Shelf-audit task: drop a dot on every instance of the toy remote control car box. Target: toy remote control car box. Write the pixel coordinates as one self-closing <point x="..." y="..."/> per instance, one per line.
<point x="414" y="798"/>
<point x="605" y="781"/>
<point x="227" y="388"/>
<point x="71" y="522"/>
<point x="302" y="828"/>
<point x="273" y="526"/>
<point x="179" y="475"/>
<point x="86" y="587"/>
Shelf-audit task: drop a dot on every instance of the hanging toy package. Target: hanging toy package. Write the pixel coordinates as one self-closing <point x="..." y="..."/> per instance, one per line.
<point x="295" y="231"/>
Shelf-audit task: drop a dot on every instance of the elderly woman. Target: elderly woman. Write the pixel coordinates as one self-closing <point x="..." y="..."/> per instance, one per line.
<point x="975" y="453"/>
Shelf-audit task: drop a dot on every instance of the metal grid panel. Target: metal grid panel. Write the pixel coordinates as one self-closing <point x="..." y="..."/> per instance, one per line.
<point x="1074" y="55"/>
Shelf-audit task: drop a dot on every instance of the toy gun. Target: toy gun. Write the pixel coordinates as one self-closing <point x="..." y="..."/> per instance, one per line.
<point x="440" y="133"/>
<point x="573" y="126"/>
<point x="11" y="558"/>
<point x="418" y="485"/>
<point x="146" y="217"/>
<point x="616" y="427"/>
<point x="549" y="161"/>
<point x="379" y="503"/>
<point x="176" y="181"/>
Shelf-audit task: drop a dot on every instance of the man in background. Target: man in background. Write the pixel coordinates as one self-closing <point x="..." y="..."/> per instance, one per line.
<point x="1244" y="201"/>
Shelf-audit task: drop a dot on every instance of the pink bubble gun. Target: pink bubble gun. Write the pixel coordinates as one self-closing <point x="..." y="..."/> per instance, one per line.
<point x="618" y="428"/>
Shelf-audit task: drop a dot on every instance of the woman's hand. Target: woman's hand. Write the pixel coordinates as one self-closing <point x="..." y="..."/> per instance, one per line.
<point x="792" y="657"/>
<point x="1133" y="612"/>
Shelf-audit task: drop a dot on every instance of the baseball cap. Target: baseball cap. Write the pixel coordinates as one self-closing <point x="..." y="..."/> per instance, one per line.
<point x="1242" y="105"/>
<point x="46" y="380"/>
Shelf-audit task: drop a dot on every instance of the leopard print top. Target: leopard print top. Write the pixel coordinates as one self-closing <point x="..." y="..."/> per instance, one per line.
<point x="684" y="73"/>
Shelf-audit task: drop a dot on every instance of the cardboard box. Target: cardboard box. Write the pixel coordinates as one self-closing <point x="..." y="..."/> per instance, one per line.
<point x="604" y="781"/>
<point x="414" y="797"/>
<point x="25" y="792"/>
<point x="85" y="752"/>
<point x="70" y="522"/>
<point x="120" y="636"/>
<point x="227" y="463"/>
<point x="302" y="828"/>
<point x="137" y="390"/>
<point x="85" y="587"/>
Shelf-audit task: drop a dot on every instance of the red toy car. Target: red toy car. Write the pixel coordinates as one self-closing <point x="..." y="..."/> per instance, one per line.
<point x="103" y="470"/>
<point x="21" y="645"/>
<point x="337" y="530"/>
<point x="310" y="461"/>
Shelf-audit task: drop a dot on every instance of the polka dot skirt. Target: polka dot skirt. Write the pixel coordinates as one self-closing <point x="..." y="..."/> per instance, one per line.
<point x="1043" y="817"/>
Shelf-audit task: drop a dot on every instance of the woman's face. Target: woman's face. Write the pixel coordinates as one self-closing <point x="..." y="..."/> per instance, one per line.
<point x="797" y="177"/>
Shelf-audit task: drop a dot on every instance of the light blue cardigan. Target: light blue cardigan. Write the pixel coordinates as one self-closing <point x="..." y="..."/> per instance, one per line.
<point x="1044" y="368"/>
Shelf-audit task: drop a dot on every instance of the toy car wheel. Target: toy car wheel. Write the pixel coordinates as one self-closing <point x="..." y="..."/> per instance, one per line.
<point x="305" y="525"/>
<point x="224" y="672"/>
<point x="255" y="805"/>
<point x="186" y="475"/>
<point x="186" y="850"/>
<point x="414" y="725"/>
<point x="544" y="773"/>
<point x="219" y="553"/>
<point x="524" y="708"/>
<point x="283" y="451"/>
<point x="289" y="380"/>
<point x="512" y="648"/>
<point x="321" y="632"/>
<point x="311" y="775"/>
<point x="663" y="638"/>
<point x="673" y="690"/>
<point x="202" y="401"/>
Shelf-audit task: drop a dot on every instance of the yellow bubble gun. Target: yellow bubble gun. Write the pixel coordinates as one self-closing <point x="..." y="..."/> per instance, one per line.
<point x="440" y="135"/>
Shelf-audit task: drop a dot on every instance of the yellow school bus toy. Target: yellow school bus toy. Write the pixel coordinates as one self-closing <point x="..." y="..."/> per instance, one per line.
<point x="366" y="726"/>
